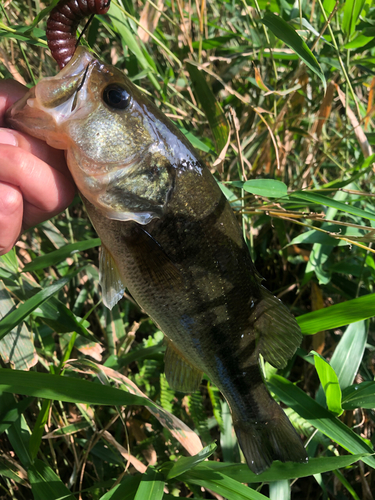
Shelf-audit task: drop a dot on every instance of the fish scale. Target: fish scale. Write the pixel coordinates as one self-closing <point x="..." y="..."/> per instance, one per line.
<point x="171" y="238"/>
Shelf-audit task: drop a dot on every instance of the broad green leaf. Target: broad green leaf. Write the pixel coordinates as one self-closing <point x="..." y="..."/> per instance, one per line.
<point x="282" y="30"/>
<point x="319" y="417"/>
<point x="319" y="199"/>
<point x="9" y="260"/>
<point x="184" y="464"/>
<point x="358" y="42"/>
<point x="359" y="396"/>
<point x="11" y="410"/>
<point x="68" y="389"/>
<point x="338" y="315"/>
<point x="279" y="490"/>
<point x="53" y="258"/>
<point x="10" y="470"/>
<point x="17" y="347"/>
<point x="269" y="188"/>
<point x="125" y="490"/>
<point x="347" y="356"/>
<point x="15" y="317"/>
<point x="19" y="436"/>
<point x="46" y="485"/>
<point x="151" y="486"/>
<point x="280" y="471"/>
<point x="218" y="123"/>
<point x="349" y="353"/>
<point x="330" y="384"/>
<point x="352" y="11"/>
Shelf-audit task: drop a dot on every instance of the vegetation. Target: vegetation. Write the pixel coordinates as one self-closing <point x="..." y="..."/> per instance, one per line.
<point x="285" y="92"/>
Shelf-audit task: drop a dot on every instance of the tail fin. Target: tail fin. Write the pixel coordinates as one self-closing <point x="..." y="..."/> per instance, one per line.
<point x="264" y="442"/>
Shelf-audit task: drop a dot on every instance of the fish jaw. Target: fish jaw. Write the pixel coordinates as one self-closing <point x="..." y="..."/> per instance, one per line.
<point x="43" y="110"/>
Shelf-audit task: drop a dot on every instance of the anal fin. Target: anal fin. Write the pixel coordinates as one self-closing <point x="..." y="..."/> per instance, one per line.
<point x="278" y="331"/>
<point x="181" y="375"/>
<point x="109" y="278"/>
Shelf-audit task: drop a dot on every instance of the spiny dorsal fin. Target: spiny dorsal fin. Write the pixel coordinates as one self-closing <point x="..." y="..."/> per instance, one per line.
<point x="109" y="278"/>
<point x="279" y="332"/>
<point x="181" y="375"/>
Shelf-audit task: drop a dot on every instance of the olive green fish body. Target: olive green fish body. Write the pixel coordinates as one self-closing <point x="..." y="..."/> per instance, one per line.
<point x="169" y="235"/>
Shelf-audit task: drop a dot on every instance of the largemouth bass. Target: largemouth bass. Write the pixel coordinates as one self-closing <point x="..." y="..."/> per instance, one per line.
<point x="169" y="235"/>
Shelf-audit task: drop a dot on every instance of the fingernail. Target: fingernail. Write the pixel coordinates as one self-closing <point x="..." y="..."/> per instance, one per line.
<point x="7" y="137"/>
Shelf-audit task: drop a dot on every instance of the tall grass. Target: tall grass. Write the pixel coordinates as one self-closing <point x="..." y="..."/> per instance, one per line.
<point x="279" y="98"/>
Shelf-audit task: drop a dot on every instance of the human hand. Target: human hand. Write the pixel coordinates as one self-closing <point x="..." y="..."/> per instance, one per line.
<point x="35" y="183"/>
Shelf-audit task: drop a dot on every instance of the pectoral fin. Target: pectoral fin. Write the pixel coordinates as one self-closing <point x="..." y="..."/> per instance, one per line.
<point x="278" y="331"/>
<point x="181" y="375"/>
<point x="109" y="278"/>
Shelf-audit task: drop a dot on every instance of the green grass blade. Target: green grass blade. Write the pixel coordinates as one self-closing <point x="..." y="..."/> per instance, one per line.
<point x="46" y="485"/>
<point x="340" y="476"/>
<point x="319" y="417"/>
<point x="38" y="431"/>
<point x="337" y="315"/>
<point x="218" y="123"/>
<point x="53" y="258"/>
<point x="68" y="389"/>
<point x="120" y="22"/>
<point x="282" y="30"/>
<point x="281" y="471"/>
<point x="197" y="143"/>
<point x="184" y="464"/>
<point x="325" y="201"/>
<point x="224" y="485"/>
<point x="15" y="317"/>
<point x="62" y="320"/>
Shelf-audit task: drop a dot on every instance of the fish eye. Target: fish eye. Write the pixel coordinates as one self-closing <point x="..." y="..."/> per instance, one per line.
<point x="116" y="97"/>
